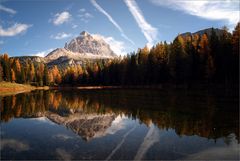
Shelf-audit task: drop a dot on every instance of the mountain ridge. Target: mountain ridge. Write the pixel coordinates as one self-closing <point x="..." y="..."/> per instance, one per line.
<point x="208" y="31"/>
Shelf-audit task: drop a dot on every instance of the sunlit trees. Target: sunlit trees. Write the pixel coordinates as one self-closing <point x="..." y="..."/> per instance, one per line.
<point x="141" y="62"/>
<point x="50" y="77"/>
<point x="17" y="65"/>
<point x="178" y="60"/>
<point x="157" y="63"/>
<point x="13" y="76"/>
<point x="32" y="73"/>
<point x="79" y="73"/>
<point x="23" y="75"/>
<point x="17" y="69"/>
<point x="45" y="76"/>
<point x="39" y="74"/>
<point x="191" y="59"/>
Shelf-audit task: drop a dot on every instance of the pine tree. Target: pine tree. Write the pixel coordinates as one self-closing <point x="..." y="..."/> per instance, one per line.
<point x="32" y="72"/>
<point x="50" y="77"/>
<point x="178" y="61"/>
<point x="235" y="39"/>
<point x="23" y="75"/>
<point x="17" y="69"/>
<point x="1" y="71"/>
<point x="6" y="67"/>
<point x="13" y="77"/>
<point x="236" y="52"/>
<point x="225" y="54"/>
<point x="45" y="76"/>
<point x="40" y="71"/>
<point x="27" y="71"/>
<point x="17" y="65"/>
<point x="204" y="52"/>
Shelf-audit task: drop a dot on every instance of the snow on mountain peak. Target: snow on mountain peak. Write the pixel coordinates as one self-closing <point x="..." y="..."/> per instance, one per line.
<point x="85" y="46"/>
<point x="86" y="43"/>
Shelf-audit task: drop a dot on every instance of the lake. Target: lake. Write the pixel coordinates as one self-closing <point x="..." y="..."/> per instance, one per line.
<point x="120" y="124"/>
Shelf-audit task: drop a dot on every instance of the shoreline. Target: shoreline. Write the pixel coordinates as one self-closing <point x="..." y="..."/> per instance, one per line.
<point x="153" y="87"/>
<point x="9" y="88"/>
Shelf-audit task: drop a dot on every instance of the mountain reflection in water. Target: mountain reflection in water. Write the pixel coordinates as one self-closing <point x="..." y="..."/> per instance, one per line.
<point x="93" y="114"/>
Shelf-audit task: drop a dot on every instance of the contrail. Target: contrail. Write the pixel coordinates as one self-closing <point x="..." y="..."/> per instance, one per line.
<point x="147" y="29"/>
<point x="120" y="144"/>
<point x="151" y="138"/>
<point x="100" y="9"/>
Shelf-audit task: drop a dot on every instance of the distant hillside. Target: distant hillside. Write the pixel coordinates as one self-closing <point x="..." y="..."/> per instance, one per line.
<point x="208" y="31"/>
<point x="30" y="58"/>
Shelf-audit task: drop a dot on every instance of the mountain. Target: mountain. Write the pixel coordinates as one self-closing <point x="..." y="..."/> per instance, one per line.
<point x="82" y="48"/>
<point x="208" y="31"/>
<point x="85" y="43"/>
<point x="89" y="48"/>
<point x="24" y="59"/>
<point x="88" y="126"/>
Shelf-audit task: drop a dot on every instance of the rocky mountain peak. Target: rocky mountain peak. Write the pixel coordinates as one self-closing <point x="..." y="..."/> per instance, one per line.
<point x="87" y="44"/>
<point x="84" y="33"/>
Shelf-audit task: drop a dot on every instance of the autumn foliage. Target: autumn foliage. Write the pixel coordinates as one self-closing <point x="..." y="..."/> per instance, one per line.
<point x="191" y="59"/>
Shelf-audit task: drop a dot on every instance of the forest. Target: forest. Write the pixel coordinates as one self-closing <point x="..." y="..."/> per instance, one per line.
<point x="188" y="60"/>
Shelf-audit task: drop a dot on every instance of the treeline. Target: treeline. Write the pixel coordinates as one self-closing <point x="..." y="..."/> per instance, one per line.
<point x="208" y="58"/>
<point x="211" y="58"/>
<point x="12" y="70"/>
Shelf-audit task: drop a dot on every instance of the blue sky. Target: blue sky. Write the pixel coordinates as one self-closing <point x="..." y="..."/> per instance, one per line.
<point x="35" y="27"/>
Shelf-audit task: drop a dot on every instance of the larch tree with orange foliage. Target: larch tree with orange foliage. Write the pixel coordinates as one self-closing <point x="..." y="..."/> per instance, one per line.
<point x="32" y="72"/>
<point x="13" y="76"/>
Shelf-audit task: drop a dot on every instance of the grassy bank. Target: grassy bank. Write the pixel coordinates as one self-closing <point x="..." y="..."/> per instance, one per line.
<point x="8" y="88"/>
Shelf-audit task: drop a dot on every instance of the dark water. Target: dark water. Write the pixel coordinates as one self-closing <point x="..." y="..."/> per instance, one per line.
<point x="120" y="125"/>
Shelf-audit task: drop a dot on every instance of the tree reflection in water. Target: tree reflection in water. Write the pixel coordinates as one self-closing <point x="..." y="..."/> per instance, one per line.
<point x="188" y="113"/>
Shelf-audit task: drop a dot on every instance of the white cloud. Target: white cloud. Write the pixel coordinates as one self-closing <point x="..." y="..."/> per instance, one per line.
<point x="74" y="26"/>
<point x="149" y="32"/>
<point x="43" y="119"/>
<point x="100" y="9"/>
<point x="117" y="47"/>
<point x="61" y="18"/>
<point x="61" y="35"/>
<point x="149" y="140"/>
<point x="84" y="20"/>
<point x="82" y="10"/>
<point x="13" y="144"/>
<point x="63" y="137"/>
<point x="118" y="123"/>
<point x="43" y="53"/>
<point x="227" y="10"/>
<point x="85" y="16"/>
<point x="63" y="154"/>
<point x="14" y="30"/>
<point x="8" y="10"/>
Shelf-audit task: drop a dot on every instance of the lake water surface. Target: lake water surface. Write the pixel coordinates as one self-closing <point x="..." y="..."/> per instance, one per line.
<point x="120" y="124"/>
